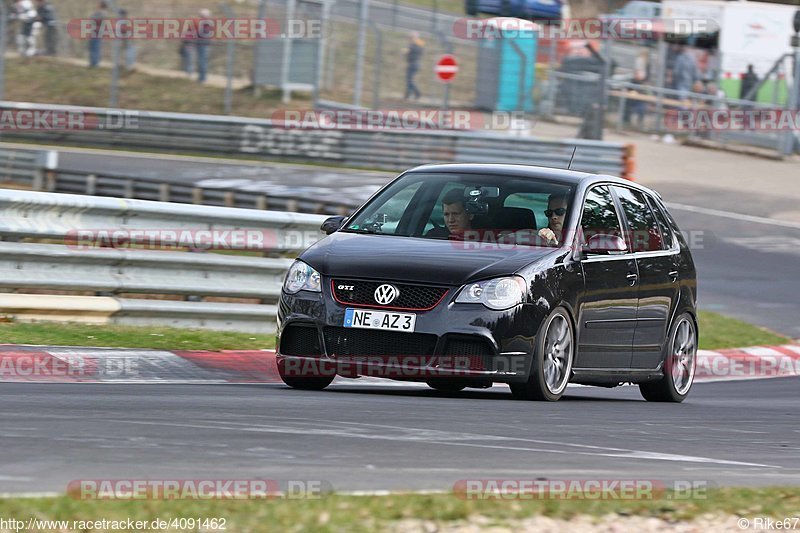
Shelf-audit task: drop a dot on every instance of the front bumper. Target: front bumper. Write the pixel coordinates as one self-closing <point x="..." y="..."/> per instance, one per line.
<point x="451" y="341"/>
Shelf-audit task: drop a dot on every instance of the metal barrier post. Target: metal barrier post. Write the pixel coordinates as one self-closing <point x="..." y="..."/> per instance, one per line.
<point x="3" y="39"/>
<point x="376" y="77"/>
<point x="231" y="51"/>
<point x="362" y="41"/>
<point x="115" y="55"/>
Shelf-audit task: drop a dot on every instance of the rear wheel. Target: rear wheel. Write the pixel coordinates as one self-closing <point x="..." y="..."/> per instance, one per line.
<point x="304" y="379"/>
<point x="679" y="364"/>
<point x="552" y="360"/>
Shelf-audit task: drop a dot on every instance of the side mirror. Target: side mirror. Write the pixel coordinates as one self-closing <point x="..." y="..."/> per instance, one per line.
<point x="332" y="224"/>
<point x="605" y="244"/>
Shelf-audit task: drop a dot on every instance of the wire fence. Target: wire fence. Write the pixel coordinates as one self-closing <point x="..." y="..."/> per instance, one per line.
<point x="361" y="58"/>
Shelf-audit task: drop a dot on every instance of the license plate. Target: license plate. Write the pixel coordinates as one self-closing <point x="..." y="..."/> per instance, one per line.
<point x="368" y="319"/>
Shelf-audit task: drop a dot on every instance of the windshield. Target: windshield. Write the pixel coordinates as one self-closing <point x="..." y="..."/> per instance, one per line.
<point x="468" y="207"/>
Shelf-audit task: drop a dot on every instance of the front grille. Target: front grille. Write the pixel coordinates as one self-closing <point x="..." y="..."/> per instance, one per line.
<point x="411" y="297"/>
<point x="300" y="340"/>
<point x="359" y="342"/>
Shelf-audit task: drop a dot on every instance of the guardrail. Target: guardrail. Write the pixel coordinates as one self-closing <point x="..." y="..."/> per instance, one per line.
<point x="384" y="149"/>
<point x="38" y="169"/>
<point x="111" y="276"/>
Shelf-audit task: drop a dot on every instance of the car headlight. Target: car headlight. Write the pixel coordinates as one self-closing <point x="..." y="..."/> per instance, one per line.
<point x="301" y="277"/>
<point x="497" y="294"/>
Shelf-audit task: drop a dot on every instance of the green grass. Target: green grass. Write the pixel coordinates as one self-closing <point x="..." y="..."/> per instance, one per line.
<point x="47" y="80"/>
<point x="370" y="513"/>
<point x="113" y="336"/>
<point x="716" y="332"/>
<point x="720" y="331"/>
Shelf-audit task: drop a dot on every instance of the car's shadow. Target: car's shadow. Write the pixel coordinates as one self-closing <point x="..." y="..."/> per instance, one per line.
<point x="496" y="394"/>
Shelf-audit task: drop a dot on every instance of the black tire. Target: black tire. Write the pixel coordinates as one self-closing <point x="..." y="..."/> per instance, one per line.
<point x="310" y="382"/>
<point x="666" y="389"/>
<point x="505" y="8"/>
<point x="537" y="387"/>
<point x="446" y="385"/>
<point x="471" y="7"/>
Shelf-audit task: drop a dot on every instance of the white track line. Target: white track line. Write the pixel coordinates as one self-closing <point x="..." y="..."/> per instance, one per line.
<point x="736" y="216"/>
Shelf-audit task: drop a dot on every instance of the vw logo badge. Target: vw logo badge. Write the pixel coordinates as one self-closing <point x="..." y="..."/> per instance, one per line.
<point x="386" y="294"/>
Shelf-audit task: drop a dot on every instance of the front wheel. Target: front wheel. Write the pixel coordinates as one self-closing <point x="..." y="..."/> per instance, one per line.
<point x="679" y="364"/>
<point x="552" y="360"/>
<point x="305" y="379"/>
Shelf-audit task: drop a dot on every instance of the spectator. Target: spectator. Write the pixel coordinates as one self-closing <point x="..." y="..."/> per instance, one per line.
<point x="185" y="52"/>
<point x="641" y="75"/>
<point x="749" y="82"/>
<point x="685" y="72"/>
<point x="46" y="16"/>
<point x="712" y="66"/>
<point x="95" y="44"/>
<point x="26" y="17"/>
<point x="201" y="47"/>
<point x="413" y="56"/>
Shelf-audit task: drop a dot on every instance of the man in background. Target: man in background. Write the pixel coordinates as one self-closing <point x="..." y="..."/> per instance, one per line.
<point x="96" y="44"/>
<point x="413" y="56"/>
<point x="46" y="16"/>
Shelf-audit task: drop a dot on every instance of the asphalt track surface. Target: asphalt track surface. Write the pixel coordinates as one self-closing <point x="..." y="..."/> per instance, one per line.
<point x="370" y="437"/>
<point x="746" y="269"/>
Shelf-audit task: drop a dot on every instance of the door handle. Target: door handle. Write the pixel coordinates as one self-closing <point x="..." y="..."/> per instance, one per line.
<point x="632" y="278"/>
<point x="674" y="276"/>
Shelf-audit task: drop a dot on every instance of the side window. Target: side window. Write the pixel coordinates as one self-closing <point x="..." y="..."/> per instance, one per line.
<point x="386" y="216"/>
<point x="643" y="232"/>
<point x="599" y="214"/>
<point x="666" y="232"/>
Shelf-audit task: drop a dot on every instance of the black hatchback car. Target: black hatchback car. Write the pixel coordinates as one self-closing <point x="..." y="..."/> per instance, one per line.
<point x="465" y="275"/>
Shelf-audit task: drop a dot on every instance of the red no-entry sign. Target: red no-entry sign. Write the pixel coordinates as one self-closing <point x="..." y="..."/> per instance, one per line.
<point x="446" y="68"/>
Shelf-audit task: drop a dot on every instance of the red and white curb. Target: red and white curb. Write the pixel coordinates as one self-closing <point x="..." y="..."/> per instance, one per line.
<point x="54" y="364"/>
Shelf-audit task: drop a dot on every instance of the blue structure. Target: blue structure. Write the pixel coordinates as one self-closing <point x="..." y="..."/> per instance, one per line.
<point x="507" y="65"/>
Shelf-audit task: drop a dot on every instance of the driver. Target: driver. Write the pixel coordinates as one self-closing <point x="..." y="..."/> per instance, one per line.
<point x="556" y="212"/>
<point x="456" y="219"/>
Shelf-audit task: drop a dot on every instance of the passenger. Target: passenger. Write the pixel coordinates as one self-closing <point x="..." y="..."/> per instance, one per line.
<point x="456" y="219"/>
<point x="556" y="212"/>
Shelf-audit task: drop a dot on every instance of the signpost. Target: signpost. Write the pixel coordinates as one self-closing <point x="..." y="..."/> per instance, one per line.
<point x="446" y="70"/>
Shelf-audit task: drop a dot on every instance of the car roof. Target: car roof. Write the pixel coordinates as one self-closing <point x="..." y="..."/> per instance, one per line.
<point x="571" y="177"/>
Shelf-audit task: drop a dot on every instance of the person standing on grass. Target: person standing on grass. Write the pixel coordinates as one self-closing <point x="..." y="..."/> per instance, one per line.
<point x="413" y="56"/>
<point x="201" y="47"/>
<point x="95" y="44"/>
<point x="46" y="16"/>
<point x="749" y="81"/>
<point x="26" y="16"/>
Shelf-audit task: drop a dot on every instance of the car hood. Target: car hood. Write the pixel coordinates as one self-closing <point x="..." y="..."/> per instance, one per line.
<point x="386" y="257"/>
